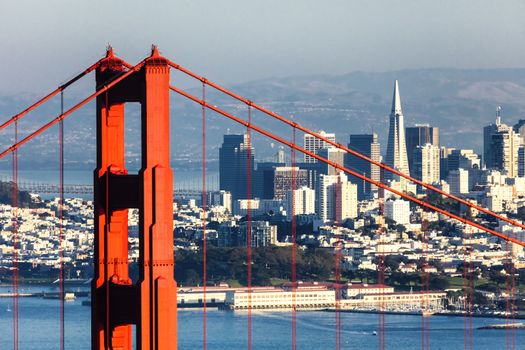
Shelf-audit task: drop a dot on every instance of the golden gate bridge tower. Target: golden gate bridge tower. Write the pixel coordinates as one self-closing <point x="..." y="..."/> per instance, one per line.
<point x="118" y="303"/>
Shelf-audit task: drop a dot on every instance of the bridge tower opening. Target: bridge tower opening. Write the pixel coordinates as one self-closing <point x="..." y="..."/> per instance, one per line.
<point x="118" y="303"/>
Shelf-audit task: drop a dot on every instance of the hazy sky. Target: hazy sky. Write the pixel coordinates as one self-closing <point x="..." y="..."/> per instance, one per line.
<point x="45" y="42"/>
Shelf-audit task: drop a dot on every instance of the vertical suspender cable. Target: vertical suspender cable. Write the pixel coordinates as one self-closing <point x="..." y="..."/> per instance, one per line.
<point x="381" y="265"/>
<point x="338" y="246"/>
<point x="249" y="224"/>
<point x="294" y="246"/>
<point x="424" y="280"/>
<point x="204" y="216"/>
<point x="15" y="241"/>
<point x="61" y="218"/>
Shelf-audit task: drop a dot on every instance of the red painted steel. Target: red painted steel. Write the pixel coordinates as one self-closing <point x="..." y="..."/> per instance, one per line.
<point x="150" y="302"/>
<point x="61" y="218"/>
<point x="14" y="238"/>
<point x="294" y="245"/>
<point x="204" y="219"/>
<point x="249" y="239"/>
<point x="342" y="147"/>
<point x="349" y="171"/>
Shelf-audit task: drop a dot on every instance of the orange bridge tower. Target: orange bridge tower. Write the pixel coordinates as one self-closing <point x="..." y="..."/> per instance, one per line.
<point x="117" y="302"/>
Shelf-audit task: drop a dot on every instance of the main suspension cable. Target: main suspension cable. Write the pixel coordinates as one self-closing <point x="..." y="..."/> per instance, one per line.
<point x="61" y="220"/>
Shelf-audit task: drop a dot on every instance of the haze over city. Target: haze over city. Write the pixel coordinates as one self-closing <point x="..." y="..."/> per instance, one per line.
<point x="228" y="174"/>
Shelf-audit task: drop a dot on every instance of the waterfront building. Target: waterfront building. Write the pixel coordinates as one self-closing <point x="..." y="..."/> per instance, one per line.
<point x="367" y="145"/>
<point x="420" y="135"/>
<point x="312" y="144"/>
<point x="398" y="301"/>
<point x="396" y="152"/>
<point x="353" y="290"/>
<point x="279" y="298"/>
<point x="236" y="157"/>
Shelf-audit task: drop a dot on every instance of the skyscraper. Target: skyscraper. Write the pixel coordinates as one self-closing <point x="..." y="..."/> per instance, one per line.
<point x="312" y="144"/>
<point x="367" y="145"/>
<point x="396" y="152"/>
<point x="420" y="135"/>
<point x="285" y="177"/>
<point x="235" y="162"/>
<point x="332" y="154"/>
<point x="500" y="147"/>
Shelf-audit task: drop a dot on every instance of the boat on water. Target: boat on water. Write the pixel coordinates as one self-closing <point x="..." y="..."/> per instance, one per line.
<point x="374" y="333"/>
<point x="67" y="296"/>
<point x="515" y="325"/>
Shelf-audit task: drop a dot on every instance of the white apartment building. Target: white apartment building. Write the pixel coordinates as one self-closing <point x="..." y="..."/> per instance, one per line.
<point x="337" y="198"/>
<point x="300" y="202"/>
<point x="398" y="210"/>
<point x="427" y="163"/>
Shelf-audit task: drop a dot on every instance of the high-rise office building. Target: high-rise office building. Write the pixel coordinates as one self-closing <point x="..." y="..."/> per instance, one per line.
<point x="521" y="161"/>
<point x="420" y="135"/>
<point x="263" y="179"/>
<point x="396" y="152"/>
<point x="332" y="154"/>
<point x="312" y="144"/>
<point x="235" y="163"/>
<point x="519" y="128"/>
<point x="336" y="198"/>
<point x="500" y="147"/>
<point x="426" y="163"/>
<point x="284" y="178"/>
<point x="458" y="180"/>
<point x="367" y="145"/>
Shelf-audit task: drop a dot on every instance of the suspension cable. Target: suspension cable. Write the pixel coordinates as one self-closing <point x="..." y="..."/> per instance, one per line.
<point x="14" y="238"/>
<point x="249" y="239"/>
<point x="204" y="217"/>
<point x="61" y="220"/>
<point x="294" y="242"/>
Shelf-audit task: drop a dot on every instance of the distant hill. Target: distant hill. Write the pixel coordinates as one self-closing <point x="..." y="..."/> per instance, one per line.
<point x="459" y="101"/>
